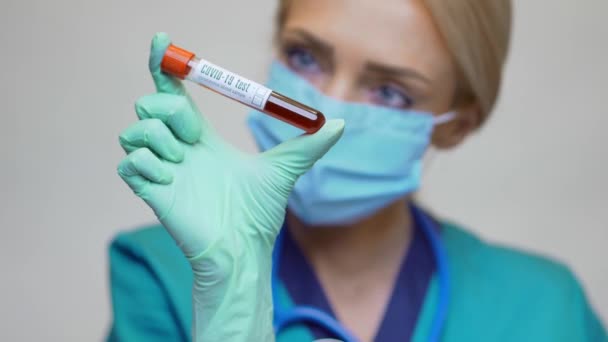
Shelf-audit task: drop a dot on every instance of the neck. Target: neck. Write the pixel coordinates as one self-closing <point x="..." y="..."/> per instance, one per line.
<point x="370" y="244"/>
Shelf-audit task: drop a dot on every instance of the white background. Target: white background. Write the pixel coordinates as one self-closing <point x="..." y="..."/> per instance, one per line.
<point x="534" y="177"/>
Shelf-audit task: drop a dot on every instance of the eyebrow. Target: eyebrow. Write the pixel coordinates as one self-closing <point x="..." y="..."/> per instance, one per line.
<point x="315" y="42"/>
<point x="378" y="68"/>
<point x="395" y="71"/>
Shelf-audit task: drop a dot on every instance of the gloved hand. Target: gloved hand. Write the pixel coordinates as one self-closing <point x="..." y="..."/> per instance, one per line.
<point x="224" y="208"/>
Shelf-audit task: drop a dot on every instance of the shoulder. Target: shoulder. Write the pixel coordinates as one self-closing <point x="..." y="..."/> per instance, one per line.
<point x="146" y="237"/>
<point x="504" y="286"/>
<point x="152" y="248"/>
<point x="504" y="263"/>
<point x="150" y="284"/>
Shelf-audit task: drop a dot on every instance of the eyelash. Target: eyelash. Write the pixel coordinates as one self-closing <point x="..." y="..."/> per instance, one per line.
<point x="404" y="101"/>
<point x="296" y="56"/>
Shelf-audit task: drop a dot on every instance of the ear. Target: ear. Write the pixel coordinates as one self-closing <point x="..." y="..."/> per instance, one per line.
<point x="452" y="133"/>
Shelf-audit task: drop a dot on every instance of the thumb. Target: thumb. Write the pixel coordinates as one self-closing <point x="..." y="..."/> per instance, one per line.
<point x="164" y="83"/>
<point x="298" y="155"/>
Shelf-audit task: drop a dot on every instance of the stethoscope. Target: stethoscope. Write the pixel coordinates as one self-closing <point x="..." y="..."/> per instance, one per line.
<point x="287" y="316"/>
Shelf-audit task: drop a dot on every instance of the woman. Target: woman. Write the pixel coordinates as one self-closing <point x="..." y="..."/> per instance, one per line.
<point x="356" y="258"/>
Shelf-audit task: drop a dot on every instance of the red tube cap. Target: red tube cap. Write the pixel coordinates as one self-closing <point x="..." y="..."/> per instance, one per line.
<point x="175" y="61"/>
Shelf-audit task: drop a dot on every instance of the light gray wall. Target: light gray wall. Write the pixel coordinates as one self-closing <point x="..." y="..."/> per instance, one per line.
<point x="534" y="177"/>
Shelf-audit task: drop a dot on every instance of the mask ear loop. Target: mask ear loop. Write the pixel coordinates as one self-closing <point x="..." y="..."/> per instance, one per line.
<point x="443" y="118"/>
<point x="432" y="151"/>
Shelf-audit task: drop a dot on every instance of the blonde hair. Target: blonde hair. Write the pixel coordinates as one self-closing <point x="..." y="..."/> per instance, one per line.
<point x="477" y="33"/>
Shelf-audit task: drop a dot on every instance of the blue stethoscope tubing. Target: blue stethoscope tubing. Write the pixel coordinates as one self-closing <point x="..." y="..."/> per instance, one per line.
<point x="283" y="317"/>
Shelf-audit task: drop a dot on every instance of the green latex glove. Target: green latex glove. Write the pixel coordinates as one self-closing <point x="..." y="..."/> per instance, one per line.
<point x="224" y="208"/>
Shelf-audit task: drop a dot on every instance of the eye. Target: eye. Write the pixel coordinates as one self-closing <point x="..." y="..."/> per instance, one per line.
<point x="302" y="61"/>
<point x="390" y="96"/>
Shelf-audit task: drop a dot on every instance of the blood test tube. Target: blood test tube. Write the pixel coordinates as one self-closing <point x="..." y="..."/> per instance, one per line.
<point x="186" y="65"/>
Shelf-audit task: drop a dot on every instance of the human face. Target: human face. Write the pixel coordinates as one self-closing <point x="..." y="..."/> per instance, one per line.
<point x="387" y="53"/>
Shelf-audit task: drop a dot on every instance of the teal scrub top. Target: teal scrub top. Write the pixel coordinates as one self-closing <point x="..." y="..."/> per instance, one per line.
<point x="497" y="294"/>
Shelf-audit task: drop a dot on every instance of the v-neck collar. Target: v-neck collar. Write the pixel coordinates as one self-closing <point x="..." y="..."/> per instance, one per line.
<point x="404" y="306"/>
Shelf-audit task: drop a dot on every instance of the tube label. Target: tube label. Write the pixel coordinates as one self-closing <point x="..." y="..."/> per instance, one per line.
<point x="230" y="84"/>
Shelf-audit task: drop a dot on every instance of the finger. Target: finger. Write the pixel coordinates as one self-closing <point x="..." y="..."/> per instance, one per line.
<point x="175" y="111"/>
<point x="141" y="168"/>
<point x="164" y="83"/>
<point x="298" y="155"/>
<point x="154" y="135"/>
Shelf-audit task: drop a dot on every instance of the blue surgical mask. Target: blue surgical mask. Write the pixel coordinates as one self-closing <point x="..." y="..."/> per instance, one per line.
<point x="377" y="160"/>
